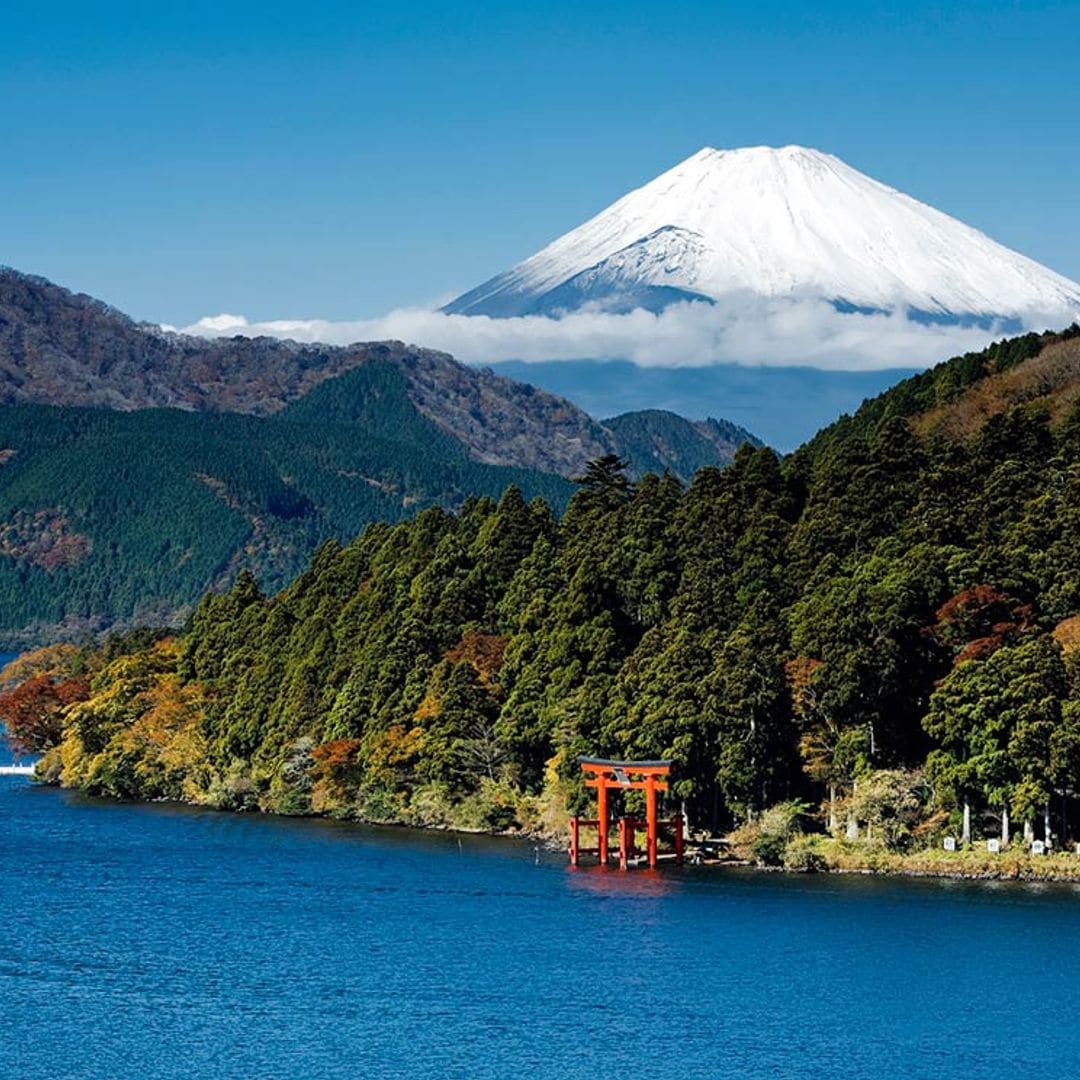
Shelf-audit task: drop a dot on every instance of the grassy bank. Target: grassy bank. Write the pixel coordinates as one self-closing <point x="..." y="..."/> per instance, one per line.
<point x="826" y="854"/>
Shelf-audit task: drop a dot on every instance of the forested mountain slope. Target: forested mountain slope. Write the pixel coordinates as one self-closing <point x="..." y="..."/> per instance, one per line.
<point x="60" y="348"/>
<point x="885" y="622"/>
<point x="112" y="518"/>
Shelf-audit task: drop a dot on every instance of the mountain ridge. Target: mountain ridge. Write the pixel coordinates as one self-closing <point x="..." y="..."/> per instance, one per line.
<point x="69" y="349"/>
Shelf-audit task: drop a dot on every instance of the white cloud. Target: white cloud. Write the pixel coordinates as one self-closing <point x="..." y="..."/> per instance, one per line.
<point x="222" y="324"/>
<point x="745" y="330"/>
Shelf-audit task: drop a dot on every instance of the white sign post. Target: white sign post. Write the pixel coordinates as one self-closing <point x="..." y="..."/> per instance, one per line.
<point x="993" y="846"/>
<point x="950" y="843"/>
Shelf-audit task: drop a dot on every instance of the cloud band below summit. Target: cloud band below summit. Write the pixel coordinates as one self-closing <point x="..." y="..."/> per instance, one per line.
<point x="739" y="329"/>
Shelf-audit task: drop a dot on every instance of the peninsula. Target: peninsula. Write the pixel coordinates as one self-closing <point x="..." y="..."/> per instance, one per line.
<point x="848" y="655"/>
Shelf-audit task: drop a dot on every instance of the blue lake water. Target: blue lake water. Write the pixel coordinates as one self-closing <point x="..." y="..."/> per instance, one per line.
<point x="159" y="941"/>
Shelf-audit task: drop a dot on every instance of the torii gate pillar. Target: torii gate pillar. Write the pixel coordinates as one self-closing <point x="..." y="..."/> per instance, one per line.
<point x="602" y="824"/>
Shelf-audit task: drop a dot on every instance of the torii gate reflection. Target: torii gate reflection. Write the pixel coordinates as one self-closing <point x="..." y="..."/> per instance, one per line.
<point x="604" y="776"/>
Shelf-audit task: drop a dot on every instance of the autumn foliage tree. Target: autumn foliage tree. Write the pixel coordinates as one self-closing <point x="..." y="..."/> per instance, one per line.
<point x="33" y="711"/>
<point x="336" y="773"/>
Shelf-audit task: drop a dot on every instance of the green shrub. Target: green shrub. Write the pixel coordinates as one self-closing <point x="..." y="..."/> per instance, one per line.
<point x="769" y="850"/>
<point x="802" y="854"/>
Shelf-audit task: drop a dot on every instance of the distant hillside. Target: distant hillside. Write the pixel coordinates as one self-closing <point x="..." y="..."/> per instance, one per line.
<point x="654" y="440"/>
<point x="1049" y="380"/>
<point x="110" y="517"/>
<point x="1037" y="375"/>
<point x="782" y="406"/>
<point x="62" y="348"/>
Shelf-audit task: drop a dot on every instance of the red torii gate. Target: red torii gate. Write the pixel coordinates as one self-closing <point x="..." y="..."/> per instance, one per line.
<point x="607" y="775"/>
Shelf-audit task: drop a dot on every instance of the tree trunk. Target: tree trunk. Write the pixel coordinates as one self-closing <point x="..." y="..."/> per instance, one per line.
<point x="1004" y="826"/>
<point x="1046" y="825"/>
<point x="965" y="836"/>
<point x="1029" y="832"/>
<point x="832" y="809"/>
<point x="852" y="830"/>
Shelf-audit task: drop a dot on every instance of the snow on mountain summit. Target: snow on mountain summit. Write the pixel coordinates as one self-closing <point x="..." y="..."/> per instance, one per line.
<point x="779" y="223"/>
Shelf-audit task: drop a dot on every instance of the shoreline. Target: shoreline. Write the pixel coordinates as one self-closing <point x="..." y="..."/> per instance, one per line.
<point x="1012" y="866"/>
<point x="950" y="875"/>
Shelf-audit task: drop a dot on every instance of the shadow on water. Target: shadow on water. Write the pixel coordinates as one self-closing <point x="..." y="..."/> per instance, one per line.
<point x="302" y="832"/>
<point x="610" y="881"/>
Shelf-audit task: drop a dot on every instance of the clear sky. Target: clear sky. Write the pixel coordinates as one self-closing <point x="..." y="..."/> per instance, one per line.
<point x="341" y="159"/>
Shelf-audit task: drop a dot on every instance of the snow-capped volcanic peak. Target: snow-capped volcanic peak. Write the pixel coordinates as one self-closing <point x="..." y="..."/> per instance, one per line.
<point x="778" y="223"/>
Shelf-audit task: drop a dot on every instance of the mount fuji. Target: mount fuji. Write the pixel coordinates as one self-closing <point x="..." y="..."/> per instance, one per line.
<point x="782" y="225"/>
<point x="778" y="287"/>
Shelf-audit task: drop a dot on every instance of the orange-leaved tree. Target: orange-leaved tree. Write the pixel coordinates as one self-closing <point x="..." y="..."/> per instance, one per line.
<point x="33" y="711"/>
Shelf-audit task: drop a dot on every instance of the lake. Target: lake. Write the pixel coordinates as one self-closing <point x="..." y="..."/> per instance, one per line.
<point x="161" y="941"/>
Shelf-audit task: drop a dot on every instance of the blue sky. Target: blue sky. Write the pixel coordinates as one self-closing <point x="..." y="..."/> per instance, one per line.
<point x="338" y="160"/>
